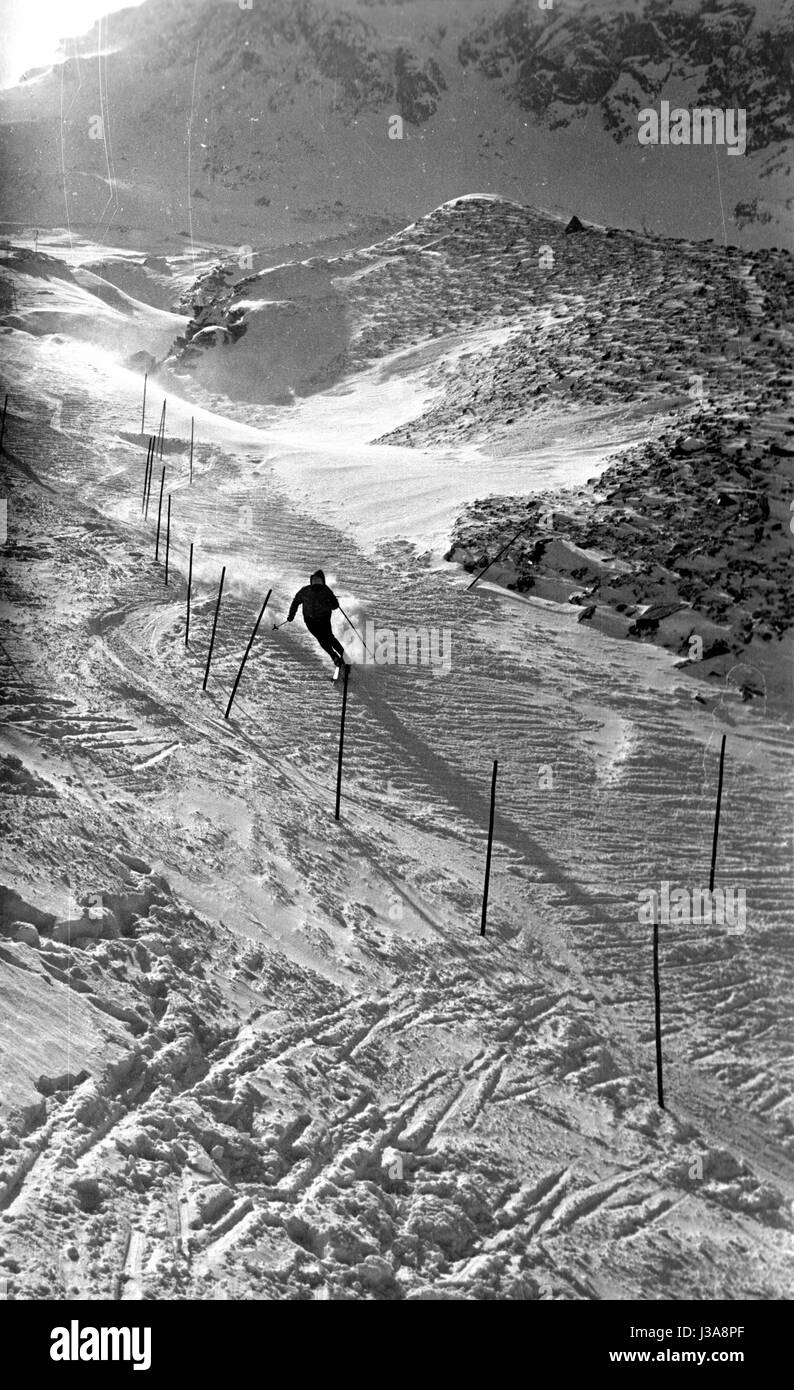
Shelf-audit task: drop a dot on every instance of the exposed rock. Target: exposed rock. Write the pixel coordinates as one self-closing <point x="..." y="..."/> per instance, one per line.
<point x="132" y="861"/>
<point x="27" y="933"/>
<point x="14" y="909"/>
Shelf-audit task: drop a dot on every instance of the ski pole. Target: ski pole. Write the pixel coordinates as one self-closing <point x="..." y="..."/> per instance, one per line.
<point x="355" y="629"/>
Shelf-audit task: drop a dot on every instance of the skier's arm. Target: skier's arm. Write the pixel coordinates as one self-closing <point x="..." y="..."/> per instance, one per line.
<point x="295" y="605"/>
<point x="334" y="600"/>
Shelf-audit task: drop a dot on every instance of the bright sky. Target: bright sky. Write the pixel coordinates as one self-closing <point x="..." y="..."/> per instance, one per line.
<point x="30" y="29"/>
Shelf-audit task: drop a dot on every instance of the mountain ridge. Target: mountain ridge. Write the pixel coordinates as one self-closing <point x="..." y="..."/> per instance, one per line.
<point x="211" y="113"/>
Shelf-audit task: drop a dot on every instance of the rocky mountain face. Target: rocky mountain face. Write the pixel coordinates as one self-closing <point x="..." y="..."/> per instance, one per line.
<point x="616" y="60"/>
<point x="239" y="125"/>
<point x="584" y="320"/>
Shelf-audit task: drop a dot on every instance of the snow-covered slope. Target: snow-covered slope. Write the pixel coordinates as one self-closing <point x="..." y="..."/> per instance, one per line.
<point x="250" y="1051"/>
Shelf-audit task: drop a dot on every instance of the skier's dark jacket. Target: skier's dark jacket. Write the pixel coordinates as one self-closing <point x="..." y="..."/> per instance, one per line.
<point x="318" y="600"/>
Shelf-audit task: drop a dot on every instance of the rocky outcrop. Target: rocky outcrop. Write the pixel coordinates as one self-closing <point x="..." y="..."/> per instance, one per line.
<point x="684" y="542"/>
<point x="599" y="320"/>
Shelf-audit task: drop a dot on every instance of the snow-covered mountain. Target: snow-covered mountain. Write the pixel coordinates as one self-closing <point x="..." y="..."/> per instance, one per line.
<point x="277" y="123"/>
<point x="252" y="1051"/>
<point x="249" y="1051"/>
<point x="524" y="331"/>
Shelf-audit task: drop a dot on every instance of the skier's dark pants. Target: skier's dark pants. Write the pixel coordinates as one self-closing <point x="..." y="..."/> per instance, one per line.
<point x="320" y="629"/>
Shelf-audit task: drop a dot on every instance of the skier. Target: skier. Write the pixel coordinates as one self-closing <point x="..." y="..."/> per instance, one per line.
<point x="318" y="603"/>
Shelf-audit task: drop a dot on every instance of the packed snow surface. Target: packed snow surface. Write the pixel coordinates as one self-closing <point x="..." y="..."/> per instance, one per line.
<point x="251" y="1051"/>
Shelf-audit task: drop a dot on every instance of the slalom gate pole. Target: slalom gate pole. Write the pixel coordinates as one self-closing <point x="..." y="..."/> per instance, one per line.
<point x="143" y="411"/>
<point x="189" y="588"/>
<point x="146" y="474"/>
<point x="657" y="1013"/>
<point x="355" y="629"/>
<point x="245" y="658"/>
<point x="149" y="488"/>
<point x="146" y="478"/>
<point x="3" y="425"/>
<point x="167" y="537"/>
<point x="191" y="448"/>
<point x="717" y="818"/>
<point x="159" y="515"/>
<point x="341" y="747"/>
<point x="490" y="848"/>
<point x="214" y="626"/>
<point x="514" y="538"/>
<point x="161" y="431"/>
